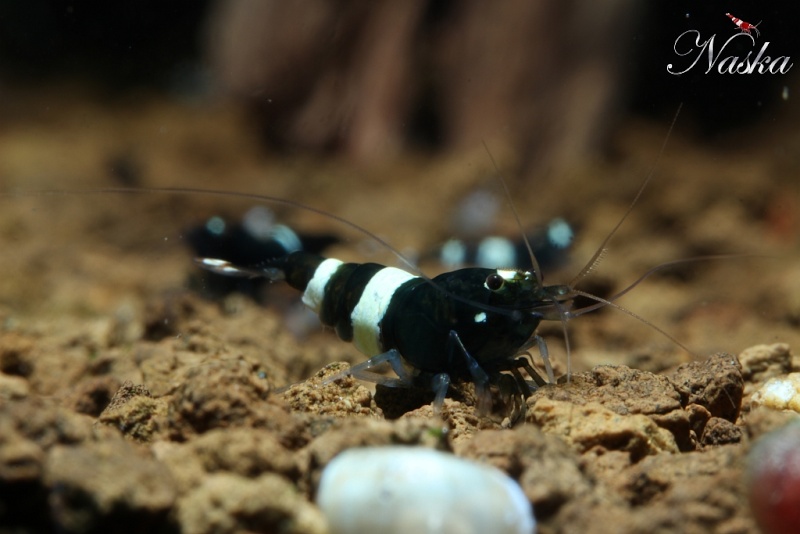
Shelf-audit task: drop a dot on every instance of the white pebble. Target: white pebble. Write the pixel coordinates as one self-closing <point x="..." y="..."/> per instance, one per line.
<point x="413" y="489"/>
<point x="780" y="393"/>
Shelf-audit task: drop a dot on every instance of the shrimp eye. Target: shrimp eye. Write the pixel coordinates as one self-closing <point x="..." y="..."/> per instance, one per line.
<point x="494" y="282"/>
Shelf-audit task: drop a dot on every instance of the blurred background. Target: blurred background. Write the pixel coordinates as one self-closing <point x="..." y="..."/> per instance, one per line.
<point x="370" y="80"/>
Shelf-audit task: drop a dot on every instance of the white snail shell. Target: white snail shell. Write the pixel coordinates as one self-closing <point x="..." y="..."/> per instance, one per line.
<point x="414" y="489"/>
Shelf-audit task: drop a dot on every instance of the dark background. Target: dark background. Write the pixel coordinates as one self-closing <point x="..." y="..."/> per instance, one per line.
<point x="129" y="46"/>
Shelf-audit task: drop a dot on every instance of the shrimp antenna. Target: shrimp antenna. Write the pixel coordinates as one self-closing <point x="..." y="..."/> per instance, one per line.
<point x="601" y="250"/>
<point x="601" y="302"/>
<point x="534" y="262"/>
<point x="611" y="301"/>
<point x="652" y="271"/>
<point x="231" y="270"/>
<point x="233" y="194"/>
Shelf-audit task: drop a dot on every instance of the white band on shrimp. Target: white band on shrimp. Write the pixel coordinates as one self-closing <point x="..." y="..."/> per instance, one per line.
<point x="315" y="291"/>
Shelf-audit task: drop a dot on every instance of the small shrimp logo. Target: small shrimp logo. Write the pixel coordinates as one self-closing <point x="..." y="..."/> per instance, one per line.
<point x="745" y="26"/>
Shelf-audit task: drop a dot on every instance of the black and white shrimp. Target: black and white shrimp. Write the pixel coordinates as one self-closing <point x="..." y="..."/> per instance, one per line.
<point x="469" y="325"/>
<point x="474" y="324"/>
<point x="549" y="244"/>
<point x="247" y="242"/>
<point x="474" y="243"/>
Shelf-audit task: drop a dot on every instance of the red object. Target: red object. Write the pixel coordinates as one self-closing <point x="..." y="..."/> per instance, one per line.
<point x="743" y="25"/>
<point x="774" y="480"/>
